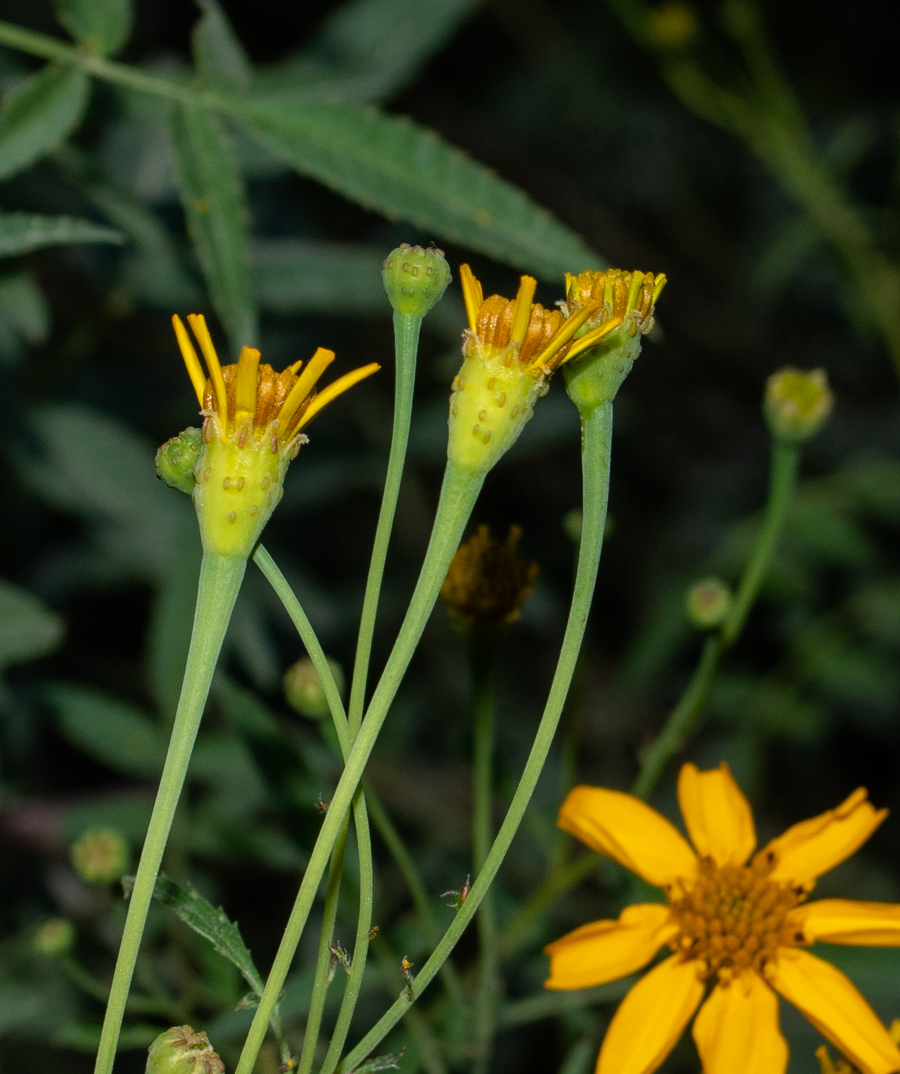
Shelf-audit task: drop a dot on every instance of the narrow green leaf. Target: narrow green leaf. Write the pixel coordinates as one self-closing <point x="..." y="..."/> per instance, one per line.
<point x="112" y="732"/>
<point x="46" y="108"/>
<point x="213" y="197"/>
<point x="24" y="306"/>
<point x="291" y="276"/>
<point x="21" y="232"/>
<point x="27" y="629"/>
<point x="380" y="1062"/>
<point x="219" y="55"/>
<point x="210" y="923"/>
<point x="406" y="172"/>
<point x="100" y="26"/>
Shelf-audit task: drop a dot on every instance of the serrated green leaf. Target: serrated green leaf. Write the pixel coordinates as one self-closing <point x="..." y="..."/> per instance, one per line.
<point x="27" y="629"/>
<point x="406" y="172"/>
<point x="290" y="276"/>
<point x="23" y="232"/>
<point x="107" y="729"/>
<point x="219" y="55"/>
<point x="210" y="923"/>
<point x="366" y="50"/>
<point x="40" y="115"/>
<point x="213" y="197"/>
<point x="100" y="26"/>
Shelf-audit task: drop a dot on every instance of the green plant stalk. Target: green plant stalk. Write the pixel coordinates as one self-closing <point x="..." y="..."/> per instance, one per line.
<point x="458" y="494"/>
<point x="686" y="714"/>
<point x="406" y="344"/>
<point x="220" y="580"/>
<point x="596" y="436"/>
<point x="483" y="655"/>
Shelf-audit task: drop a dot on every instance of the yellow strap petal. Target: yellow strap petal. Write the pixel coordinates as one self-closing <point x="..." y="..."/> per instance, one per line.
<point x="718" y="816"/>
<point x="814" y="846"/>
<point x="627" y="830"/>
<point x="834" y="1006"/>
<point x="862" y="924"/>
<point x="737" y="1029"/>
<point x="473" y="296"/>
<point x="247" y="385"/>
<point x="303" y="385"/>
<point x="191" y="361"/>
<point x="522" y="312"/>
<point x="606" y="950"/>
<point x="336" y="388"/>
<point x="651" y="1018"/>
<point x="198" y="323"/>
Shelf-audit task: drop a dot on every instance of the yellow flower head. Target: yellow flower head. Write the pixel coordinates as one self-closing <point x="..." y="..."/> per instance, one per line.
<point x="488" y="582"/>
<point x="510" y="350"/>
<point x="737" y="921"/>
<point x="253" y="426"/>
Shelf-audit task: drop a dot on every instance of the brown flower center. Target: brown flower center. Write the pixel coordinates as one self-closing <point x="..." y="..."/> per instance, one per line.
<point x="494" y="326"/>
<point x="733" y="917"/>
<point x="272" y="389"/>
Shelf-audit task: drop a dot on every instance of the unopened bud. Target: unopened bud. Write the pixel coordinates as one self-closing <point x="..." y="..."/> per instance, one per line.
<point x="55" y="937"/>
<point x="415" y="278"/>
<point x="303" y="688"/>
<point x="182" y="1051"/>
<point x="100" y="856"/>
<point x="176" y="459"/>
<point x="796" y="403"/>
<point x="708" y="603"/>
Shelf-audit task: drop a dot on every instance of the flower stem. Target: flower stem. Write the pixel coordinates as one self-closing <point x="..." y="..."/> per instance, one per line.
<point x="597" y="430"/>
<point x="458" y="495"/>
<point x="686" y="714"/>
<point x="220" y="580"/>
<point x="406" y="344"/>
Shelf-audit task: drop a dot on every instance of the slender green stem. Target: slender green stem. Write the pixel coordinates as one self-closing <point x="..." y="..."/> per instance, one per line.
<point x="596" y="437"/>
<point x="406" y="344"/>
<point x="458" y="495"/>
<point x="686" y="714"/>
<point x="220" y="580"/>
<point x="483" y="662"/>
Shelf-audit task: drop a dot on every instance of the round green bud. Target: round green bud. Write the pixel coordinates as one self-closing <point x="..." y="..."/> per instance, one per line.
<point x="303" y="688"/>
<point x="797" y="403"/>
<point x="708" y="603"/>
<point x="176" y="459"/>
<point x="100" y="856"/>
<point x="182" y="1051"/>
<point x="415" y="278"/>
<point x="55" y="937"/>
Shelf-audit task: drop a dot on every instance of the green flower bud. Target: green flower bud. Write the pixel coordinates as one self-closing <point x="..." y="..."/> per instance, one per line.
<point x="797" y="403"/>
<point x="55" y="937"/>
<point x="182" y="1051"/>
<point x="100" y="856"/>
<point x="303" y="688"/>
<point x="176" y="459"/>
<point x="253" y="428"/>
<point x="708" y="603"/>
<point x="623" y="301"/>
<point x="415" y="279"/>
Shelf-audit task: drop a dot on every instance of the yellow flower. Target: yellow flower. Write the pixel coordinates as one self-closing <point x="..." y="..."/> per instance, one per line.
<point x="736" y="922"/>
<point x="253" y="427"/>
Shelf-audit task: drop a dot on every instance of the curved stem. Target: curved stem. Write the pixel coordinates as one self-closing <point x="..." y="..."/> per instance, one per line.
<point x="597" y="430"/>
<point x="458" y="495"/>
<point x="220" y="580"/>
<point x="406" y="343"/>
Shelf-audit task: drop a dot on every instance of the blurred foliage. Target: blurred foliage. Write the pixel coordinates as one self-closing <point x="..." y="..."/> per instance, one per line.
<point x="748" y="151"/>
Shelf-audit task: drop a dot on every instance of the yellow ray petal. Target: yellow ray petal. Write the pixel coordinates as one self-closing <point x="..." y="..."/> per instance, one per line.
<point x="814" y="846"/>
<point x="862" y="924"/>
<point x="717" y="815"/>
<point x="191" y="361"/>
<point x="336" y="388"/>
<point x="737" y="1029"/>
<point x="247" y="385"/>
<point x="473" y="296"/>
<point x="563" y="336"/>
<point x="198" y="323"/>
<point x="625" y="829"/>
<point x="606" y="950"/>
<point x="304" y="384"/>
<point x="522" y="314"/>
<point x="834" y="1006"/>
<point x="589" y="339"/>
<point x="651" y="1018"/>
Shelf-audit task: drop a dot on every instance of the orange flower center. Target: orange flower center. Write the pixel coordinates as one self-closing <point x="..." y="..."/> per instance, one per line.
<point x="271" y="391"/>
<point x="494" y="329"/>
<point x="733" y="918"/>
